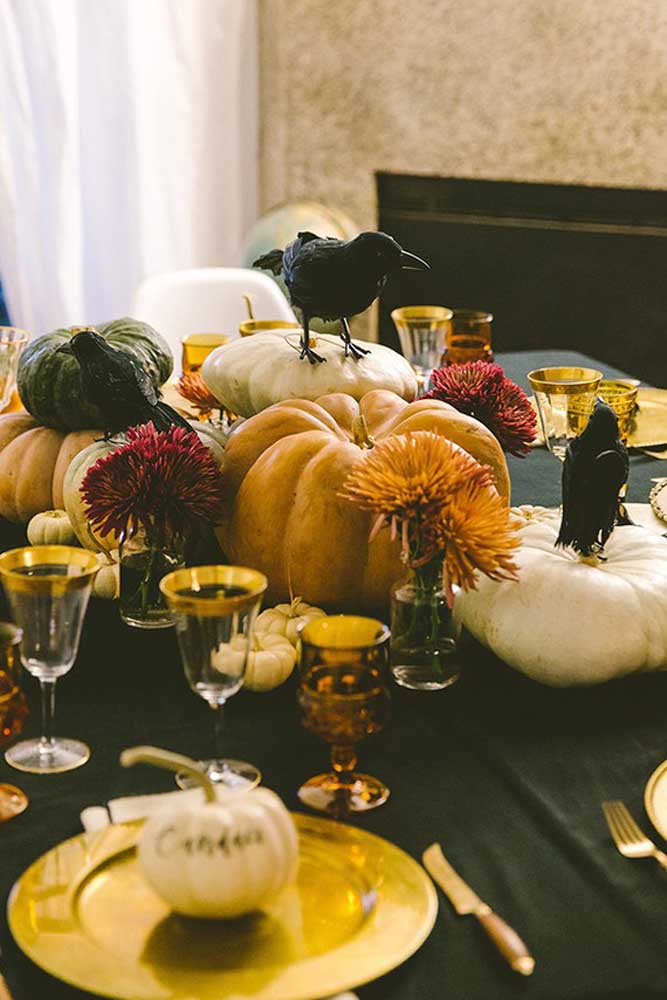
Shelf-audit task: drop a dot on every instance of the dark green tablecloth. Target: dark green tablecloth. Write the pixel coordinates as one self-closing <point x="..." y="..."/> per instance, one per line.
<point x="508" y="775"/>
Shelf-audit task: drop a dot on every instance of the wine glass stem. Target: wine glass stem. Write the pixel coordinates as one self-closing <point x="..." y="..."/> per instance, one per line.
<point x="343" y="762"/>
<point x="218" y="726"/>
<point x="48" y="692"/>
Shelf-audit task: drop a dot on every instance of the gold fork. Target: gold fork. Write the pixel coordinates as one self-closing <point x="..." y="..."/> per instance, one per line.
<point x="629" y="839"/>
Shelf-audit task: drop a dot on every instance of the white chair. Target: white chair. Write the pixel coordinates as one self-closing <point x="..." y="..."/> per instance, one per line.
<point x="207" y="300"/>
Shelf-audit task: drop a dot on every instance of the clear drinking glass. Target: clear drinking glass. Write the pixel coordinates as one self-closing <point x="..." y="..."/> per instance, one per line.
<point x="560" y="394"/>
<point x="422" y="331"/>
<point x="215" y="609"/>
<point x="12" y="342"/>
<point x="344" y="697"/>
<point x="48" y="587"/>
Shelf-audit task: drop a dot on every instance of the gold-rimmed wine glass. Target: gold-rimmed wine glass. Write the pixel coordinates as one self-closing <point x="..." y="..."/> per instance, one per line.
<point x="422" y="332"/>
<point x="12" y="342"/>
<point x="560" y="392"/>
<point x="48" y="587"/>
<point x="344" y="697"/>
<point x="215" y="609"/>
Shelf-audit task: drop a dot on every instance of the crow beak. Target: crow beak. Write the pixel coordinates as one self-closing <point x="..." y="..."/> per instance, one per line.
<point x="410" y="262"/>
<point x="65" y="349"/>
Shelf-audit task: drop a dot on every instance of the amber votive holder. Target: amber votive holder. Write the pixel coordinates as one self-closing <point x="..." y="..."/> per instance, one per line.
<point x="13" y="706"/>
<point x="468" y="338"/>
<point x="196" y="347"/>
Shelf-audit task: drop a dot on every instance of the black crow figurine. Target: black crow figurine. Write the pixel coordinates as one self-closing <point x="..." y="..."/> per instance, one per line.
<point x="596" y="467"/>
<point x="118" y="385"/>
<point x="334" y="279"/>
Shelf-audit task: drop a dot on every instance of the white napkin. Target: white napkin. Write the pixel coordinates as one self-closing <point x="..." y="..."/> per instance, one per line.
<point x="136" y="807"/>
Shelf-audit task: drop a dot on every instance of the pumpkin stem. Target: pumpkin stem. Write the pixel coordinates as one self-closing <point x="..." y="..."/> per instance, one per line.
<point x="591" y="560"/>
<point x="362" y="437"/>
<point x="171" y="762"/>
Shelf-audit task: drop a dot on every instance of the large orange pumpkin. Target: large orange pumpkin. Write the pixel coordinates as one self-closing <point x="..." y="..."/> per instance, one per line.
<point x="284" y="468"/>
<point x="33" y="463"/>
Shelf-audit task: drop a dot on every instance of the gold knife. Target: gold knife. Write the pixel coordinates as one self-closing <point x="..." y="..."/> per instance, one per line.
<point x="464" y="901"/>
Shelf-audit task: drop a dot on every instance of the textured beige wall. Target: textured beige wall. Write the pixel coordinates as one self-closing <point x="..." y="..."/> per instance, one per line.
<point x="541" y="90"/>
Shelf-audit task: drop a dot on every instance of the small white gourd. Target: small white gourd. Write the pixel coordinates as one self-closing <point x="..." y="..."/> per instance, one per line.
<point x="107" y="579"/>
<point x="51" y="527"/>
<point x="287" y="619"/>
<point x="271" y="659"/>
<point x="222" y="857"/>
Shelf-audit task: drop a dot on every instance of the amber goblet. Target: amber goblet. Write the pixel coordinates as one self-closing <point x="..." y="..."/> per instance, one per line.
<point x="560" y="395"/>
<point x="344" y="697"/>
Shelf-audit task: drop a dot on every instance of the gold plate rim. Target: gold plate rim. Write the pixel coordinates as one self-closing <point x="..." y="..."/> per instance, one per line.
<point x="656" y="776"/>
<point x="410" y="937"/>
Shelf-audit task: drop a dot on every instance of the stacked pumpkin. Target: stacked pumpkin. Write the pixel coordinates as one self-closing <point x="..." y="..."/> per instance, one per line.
<point x="45" y="452"/>
<point x="286" y="464"/>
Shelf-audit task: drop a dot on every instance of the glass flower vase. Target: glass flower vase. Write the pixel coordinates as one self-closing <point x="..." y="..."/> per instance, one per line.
<point x="424" y="640"/>
<point x="146" y="554"/>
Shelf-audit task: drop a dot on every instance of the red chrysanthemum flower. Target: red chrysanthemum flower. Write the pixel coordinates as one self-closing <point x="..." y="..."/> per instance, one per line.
<point x="156" y="477"/>
<point x="482" y="390"/>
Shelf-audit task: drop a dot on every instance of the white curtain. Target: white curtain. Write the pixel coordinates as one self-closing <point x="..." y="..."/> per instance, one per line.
<point x="128" y="146"/>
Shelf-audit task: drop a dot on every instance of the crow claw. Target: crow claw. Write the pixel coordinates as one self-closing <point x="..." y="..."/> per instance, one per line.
<point x="356" y="351"/>
<point x="308" y="352"/>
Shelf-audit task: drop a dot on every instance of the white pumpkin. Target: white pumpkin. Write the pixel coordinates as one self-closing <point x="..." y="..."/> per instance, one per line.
<point x="51" y="527"/>
<point x="271" y="659"/>
<point x="222" y="857"/>
<point x="250" y="373"/>
<point x="573" y="621"/>
<point x="107" y="579"/>
<point x="287" y="619"/>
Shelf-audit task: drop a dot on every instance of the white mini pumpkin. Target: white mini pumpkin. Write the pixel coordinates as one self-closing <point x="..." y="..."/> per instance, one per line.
<point x="287" y="619"/>
<point x="222" y="857"/>
<point x="572" y="621"/>
<point x="271" y="659"/>
<point x="107" y="579"/>
<point x="51" y="527"/>
<point x="250" y="373"/>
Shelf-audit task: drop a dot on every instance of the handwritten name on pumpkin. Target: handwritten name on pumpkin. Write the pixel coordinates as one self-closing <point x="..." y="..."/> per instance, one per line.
<point x="170" y="841"/>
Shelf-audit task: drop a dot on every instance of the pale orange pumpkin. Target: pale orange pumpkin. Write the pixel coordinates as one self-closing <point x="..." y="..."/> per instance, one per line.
<point x="284" y="469"/>
<point x="33" y="463"/>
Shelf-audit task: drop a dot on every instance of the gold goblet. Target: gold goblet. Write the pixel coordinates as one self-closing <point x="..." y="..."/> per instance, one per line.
<point x="215" y="609"/>
<point x="48" y="587"/>
<point x="560" y="393"/>
<point x="422" y="332"/>
<point x="344" y="697"/>
<point x="196" y="349"/>
<point x="621" y="397"/>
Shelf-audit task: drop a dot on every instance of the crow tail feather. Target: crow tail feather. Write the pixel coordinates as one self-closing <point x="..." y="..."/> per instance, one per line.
<point x="271" y="261"/>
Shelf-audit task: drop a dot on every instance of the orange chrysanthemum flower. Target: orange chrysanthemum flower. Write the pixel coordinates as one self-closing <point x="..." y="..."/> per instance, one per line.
<point x="194" y="389"/>
<point x="443" y="502"/>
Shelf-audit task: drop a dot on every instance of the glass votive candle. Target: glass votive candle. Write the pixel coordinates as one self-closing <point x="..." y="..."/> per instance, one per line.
<point x="197" y="347"/>
<point x="469" y="337"/>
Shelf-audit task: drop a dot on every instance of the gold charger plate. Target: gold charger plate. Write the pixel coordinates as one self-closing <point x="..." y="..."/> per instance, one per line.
<point x="360" y="907"/>
<point x="650" y="422"/>
<point x="655" y="798"/>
